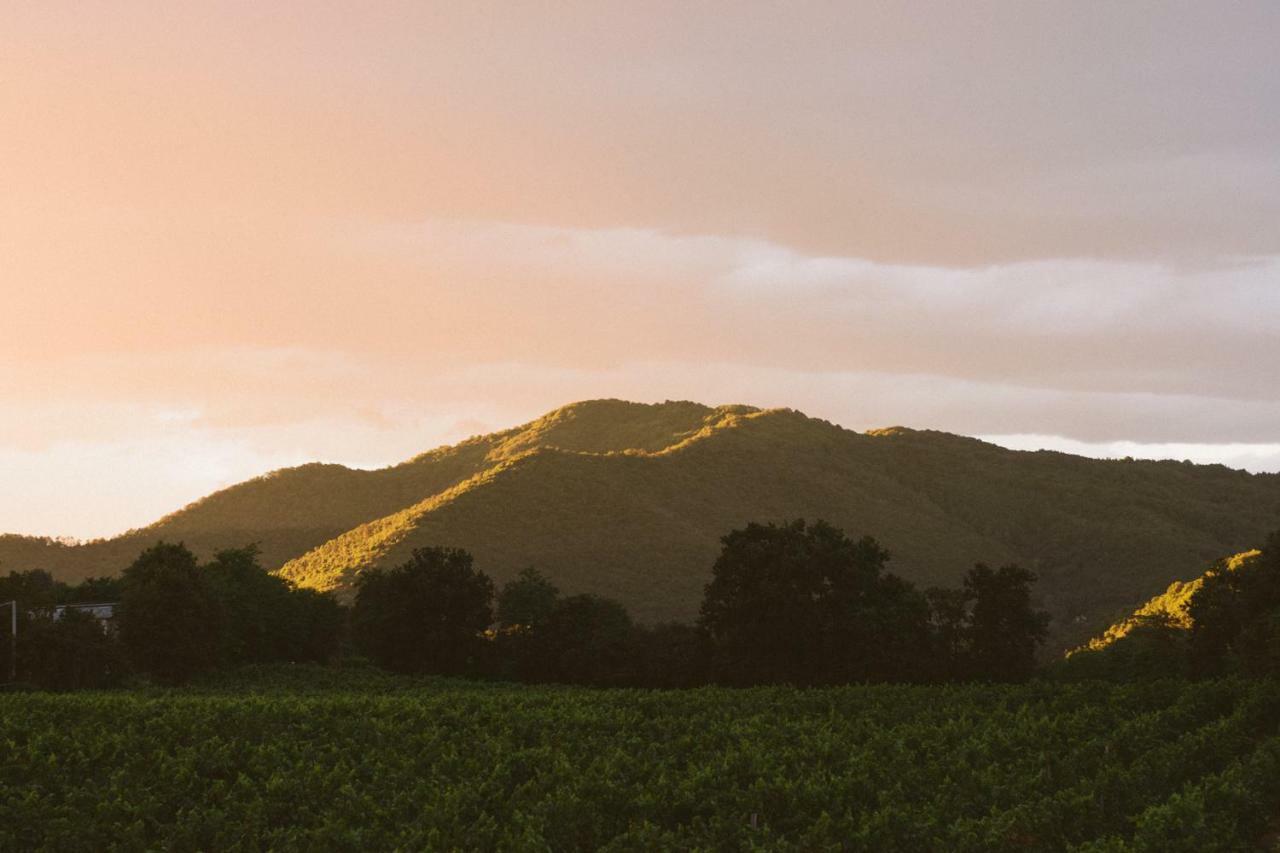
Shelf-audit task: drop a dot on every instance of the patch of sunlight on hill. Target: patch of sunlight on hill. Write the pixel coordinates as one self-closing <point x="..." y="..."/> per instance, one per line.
<point x="331" y="566"/>
<point x="1171" y="606"/>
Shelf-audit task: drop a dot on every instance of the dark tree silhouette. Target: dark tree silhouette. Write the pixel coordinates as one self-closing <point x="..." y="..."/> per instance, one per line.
<point x="425" y="616"/>
<point x="265" y="618"/>
<point x="527" y="601"/>
<point x="586" y="640"/>
<point x="805" y="604"/>
<point x="1004" y="630"/>
<point x="949" y="633"/>
<point x="170" y="621"/>
<point x="70" y="652"/>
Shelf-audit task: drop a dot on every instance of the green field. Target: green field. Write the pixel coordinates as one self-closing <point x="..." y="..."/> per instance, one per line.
<point x="301" y="758"/>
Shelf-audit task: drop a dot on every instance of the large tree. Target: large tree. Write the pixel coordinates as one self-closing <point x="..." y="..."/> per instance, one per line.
<point x="806" y="604"/>
<point x="265" y="618"/>
<point x="170" y="620"/>
<point x="1004" y="629"/>
<point x="526" y="602"/>
<point x="425" y="616"/>
<point x="586" y="640"/>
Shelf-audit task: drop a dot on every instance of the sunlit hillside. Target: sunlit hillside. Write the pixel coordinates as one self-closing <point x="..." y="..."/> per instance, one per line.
<point x="291" y="511"/>
<point x="629" y="501"/>
<point x="1169" y="607"/>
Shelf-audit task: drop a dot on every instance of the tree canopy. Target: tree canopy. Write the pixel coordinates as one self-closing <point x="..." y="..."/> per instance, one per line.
<point x="425" y="616"/>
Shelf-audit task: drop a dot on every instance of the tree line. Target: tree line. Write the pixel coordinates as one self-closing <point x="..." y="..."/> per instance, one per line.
<point x="789" y="603"/>
<point x="174" y="618"/>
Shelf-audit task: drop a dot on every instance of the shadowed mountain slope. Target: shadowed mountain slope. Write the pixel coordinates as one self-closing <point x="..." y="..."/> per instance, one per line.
<point x="629" y="501"/>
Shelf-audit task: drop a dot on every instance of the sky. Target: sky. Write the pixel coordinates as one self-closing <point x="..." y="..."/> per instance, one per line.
<point x="236" y="236"/>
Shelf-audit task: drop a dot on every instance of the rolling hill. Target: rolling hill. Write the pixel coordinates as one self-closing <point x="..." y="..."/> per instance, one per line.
<point x="629" y="500"/>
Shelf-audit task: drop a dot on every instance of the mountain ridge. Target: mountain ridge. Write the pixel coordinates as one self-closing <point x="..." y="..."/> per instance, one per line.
<point x="629" y="500"/>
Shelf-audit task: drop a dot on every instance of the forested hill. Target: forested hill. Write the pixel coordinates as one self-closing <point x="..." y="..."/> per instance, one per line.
<point x="629" y="501"/>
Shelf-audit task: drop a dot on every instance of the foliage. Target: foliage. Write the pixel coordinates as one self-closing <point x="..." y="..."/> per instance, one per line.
<point x="1225" y="621"/>
<point x="589" y="640"/>
<point x="1003" y="630"/>
<point x="671" y="655"/>
<point x="425" y="616"/>
<point x="806" y="605"/>
<point x="802" y="604"/>
<point x="401" y="763"/>
<point x="170" y="619"/>
<point x="263" y="618"/>
<point x="585" y="640"/>
<point x="71" y="652"/>
<point x="527" y="601"/>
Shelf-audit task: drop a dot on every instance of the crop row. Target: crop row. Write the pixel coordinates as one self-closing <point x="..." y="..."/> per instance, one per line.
<point x="1039" y="766"/>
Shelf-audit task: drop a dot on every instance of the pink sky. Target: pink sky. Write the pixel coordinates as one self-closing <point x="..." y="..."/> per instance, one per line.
<point x="236" y="236"/>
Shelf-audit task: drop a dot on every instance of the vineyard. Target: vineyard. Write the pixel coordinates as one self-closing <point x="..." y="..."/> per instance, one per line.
<point x="382" y="763"/>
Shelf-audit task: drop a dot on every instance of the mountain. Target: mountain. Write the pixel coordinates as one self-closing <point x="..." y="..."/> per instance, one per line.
<point x="629" y="500"/>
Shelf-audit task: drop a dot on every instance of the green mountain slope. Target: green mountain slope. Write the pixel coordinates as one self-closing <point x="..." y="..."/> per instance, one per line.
<point x="629" y="501"/>
<point x="291" y="511"/>
<point x="1168" y="607"/>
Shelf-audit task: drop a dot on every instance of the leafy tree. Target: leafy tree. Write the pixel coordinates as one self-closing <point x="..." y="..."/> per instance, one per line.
<point x="1235" y="616"/>
<point x="252" y="604"/>
<point x="314" y="624"/>
<point x="761" y="608"/>
<point x="94" y="590"/>
<point x="586" y="640"/>
<point x="805" y="604"/>
<point x="265" y="618"/>
<point x="949" y="632"/>
<point x="34" y="590"/>
<point x="63" y="653"/>
<point x="878" y="623"/>
<point x="425" y="616"/>
<point x="170" y="621"/>
<point x="1004" y="630"/>
<point x="70" y="652"/>
<point x="524" y="606"/>
<point x="527" y="601"/>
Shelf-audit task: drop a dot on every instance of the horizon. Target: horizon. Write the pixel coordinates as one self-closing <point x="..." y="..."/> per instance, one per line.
<point x="238" y="238"/>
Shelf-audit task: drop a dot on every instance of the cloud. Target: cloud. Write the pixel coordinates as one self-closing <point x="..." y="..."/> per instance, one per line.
<point x="97" y="468"/>
<point x="1258" y="458"/>
<point x="348" y="240"/>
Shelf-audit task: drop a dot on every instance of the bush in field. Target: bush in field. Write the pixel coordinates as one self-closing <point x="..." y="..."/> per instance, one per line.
<point x="425" y="616"/>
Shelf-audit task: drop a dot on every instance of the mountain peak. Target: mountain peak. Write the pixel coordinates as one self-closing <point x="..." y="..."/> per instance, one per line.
<point x="614" y="426"/>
